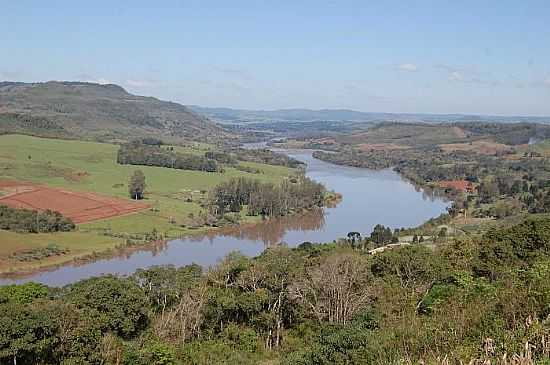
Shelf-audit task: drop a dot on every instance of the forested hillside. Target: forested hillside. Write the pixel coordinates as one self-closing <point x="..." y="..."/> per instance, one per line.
<point x="95" y="111"/>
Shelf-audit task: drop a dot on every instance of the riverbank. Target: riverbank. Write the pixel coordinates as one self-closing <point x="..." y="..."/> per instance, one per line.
<point x="429" y="187"/>
<point x="109" y="244"/>
<point x="367" y="198"/>
<point x="174" y="197"/>
<point x="93" y="248"/>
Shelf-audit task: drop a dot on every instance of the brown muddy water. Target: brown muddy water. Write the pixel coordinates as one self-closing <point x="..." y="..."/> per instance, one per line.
<point x="369" y="197"/>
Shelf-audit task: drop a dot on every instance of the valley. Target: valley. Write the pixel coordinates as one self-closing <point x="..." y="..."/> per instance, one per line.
<point x="275" y="182"/>
<point x="349" y="243"/>
<point x="368" y="198"/>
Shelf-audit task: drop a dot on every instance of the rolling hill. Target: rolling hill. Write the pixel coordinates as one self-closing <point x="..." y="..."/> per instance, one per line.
<point x="228" y="115"/>
<point x="98" y="112"/>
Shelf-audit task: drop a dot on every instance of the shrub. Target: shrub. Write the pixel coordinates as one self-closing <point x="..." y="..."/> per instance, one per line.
<point x="32" y="221"/>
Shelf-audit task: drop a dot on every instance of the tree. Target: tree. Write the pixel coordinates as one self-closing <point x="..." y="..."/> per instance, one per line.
<point x="354" y="237"/>
<point x="381" y="235"/>
<point x="23" y="294"/>
<point x="267" y="282"/>
<point x="412" y="266"/>
<point x="524" y="243"/>
<point x="46" y="332"/>
<point x="334" y="290"/>
<point x="118" y="305"/>
<point x="27" y="335"/>
<point x="265" y="199"/>
<point x="337" y="344"/>
<point x="442" y="233"/>
<point x="160" y="354"/>
<point x="136" y="186"/>
<point x="137" y="153"/>
<point x="488" y="190"/>
<point x="163" y="285"/>
<point x="505" y="208"/>
<point x="32" y="221"/>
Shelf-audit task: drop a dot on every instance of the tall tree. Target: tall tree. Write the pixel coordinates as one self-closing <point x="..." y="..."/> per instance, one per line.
<point x="117" y="305"/>
<point x="136" y="186"/>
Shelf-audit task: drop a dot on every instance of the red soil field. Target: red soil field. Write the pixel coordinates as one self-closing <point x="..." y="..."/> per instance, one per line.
<point x="459" y="185"/>
<point x="80" y="207"/>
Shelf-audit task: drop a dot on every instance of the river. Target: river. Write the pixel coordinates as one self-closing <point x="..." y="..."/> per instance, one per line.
<point x="369" y="197"/>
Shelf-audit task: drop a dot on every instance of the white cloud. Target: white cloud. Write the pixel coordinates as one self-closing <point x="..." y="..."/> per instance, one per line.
<point x="546" y="82"/>
<point x="94" y="80"/>
<point x="104" y="81"/>
<point x="456" y="76"/>
<point x="408" y="67"/>
<point x="138" y="83"/>
<point x="469" y="75"/>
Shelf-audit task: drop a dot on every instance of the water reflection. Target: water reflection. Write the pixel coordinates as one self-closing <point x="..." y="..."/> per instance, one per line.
<point x="269" y="232"/>
<point x="369" y="197"/>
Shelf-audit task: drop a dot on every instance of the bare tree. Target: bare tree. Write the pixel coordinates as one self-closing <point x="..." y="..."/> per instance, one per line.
<point x="334" y="290"/>
<point x="184" y="320"/>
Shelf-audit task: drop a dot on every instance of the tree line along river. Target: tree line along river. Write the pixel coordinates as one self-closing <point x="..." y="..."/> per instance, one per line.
<point x="369" y="197"/>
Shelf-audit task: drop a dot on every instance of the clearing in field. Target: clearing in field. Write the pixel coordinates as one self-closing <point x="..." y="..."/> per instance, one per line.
<point x="381" y="146"/>
<point x="79" y="206"/>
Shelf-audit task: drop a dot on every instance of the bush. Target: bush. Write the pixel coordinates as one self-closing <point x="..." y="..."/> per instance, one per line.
<point x="116" y="304"/>
<point x="519" y="245"/>
<point x="32" y="221"/>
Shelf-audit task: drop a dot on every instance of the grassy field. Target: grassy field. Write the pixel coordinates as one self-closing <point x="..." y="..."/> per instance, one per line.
<point x="91" y="167"/>
<point x="79" y="244"/>
<point x="542" y="147"/>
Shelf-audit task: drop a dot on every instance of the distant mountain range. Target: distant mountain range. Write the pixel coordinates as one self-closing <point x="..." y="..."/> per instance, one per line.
<point x="228" y="115"/>
<point x="108" y="112"/>
<point x="96" y="111"/>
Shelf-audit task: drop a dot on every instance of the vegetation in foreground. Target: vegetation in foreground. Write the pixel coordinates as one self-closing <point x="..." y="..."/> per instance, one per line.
<point x="479" y="300"/>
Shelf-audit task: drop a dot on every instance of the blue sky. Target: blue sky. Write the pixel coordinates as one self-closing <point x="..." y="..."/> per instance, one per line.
<point x="483" y="56"/>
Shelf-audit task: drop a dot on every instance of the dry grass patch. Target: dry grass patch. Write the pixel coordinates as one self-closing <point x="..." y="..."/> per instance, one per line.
<point x="484" y="147"/>
<point x="381" y="147"/>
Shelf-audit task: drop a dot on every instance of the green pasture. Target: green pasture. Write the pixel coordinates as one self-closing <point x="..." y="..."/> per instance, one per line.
<point x="174" y="195"/>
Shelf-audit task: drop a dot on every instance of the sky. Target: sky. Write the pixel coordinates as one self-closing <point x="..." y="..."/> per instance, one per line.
<point x="472" y="57"/>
